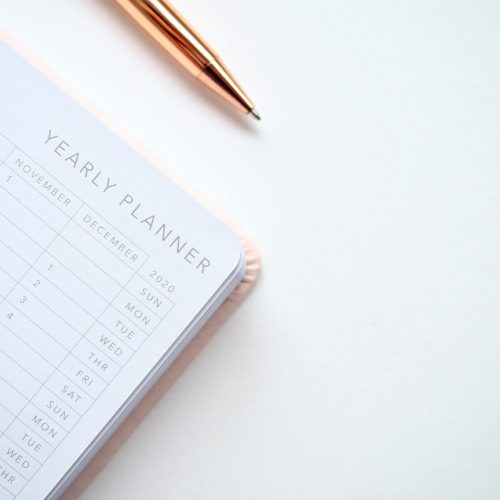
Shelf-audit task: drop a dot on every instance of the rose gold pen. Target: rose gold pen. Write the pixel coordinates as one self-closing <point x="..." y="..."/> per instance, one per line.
<point x="181" y="41"/>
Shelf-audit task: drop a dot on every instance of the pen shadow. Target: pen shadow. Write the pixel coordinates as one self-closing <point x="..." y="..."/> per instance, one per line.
<point x="199" y="90"/>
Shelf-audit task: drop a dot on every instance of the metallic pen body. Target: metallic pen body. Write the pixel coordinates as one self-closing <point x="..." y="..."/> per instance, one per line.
<point x="182" y="42"/>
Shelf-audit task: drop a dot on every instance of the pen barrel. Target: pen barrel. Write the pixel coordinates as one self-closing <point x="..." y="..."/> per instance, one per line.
<point x="164" y="24"/>
<point x="167" y="26"/>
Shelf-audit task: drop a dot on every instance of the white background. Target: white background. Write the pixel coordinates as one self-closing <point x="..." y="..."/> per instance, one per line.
<point x="366" y="363"/>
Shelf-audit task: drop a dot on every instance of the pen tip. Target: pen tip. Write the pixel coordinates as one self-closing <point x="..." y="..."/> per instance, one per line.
<point x="255" y="114"/>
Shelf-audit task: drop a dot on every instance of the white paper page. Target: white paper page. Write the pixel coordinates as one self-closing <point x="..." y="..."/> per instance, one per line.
<point x="103" y="264"/>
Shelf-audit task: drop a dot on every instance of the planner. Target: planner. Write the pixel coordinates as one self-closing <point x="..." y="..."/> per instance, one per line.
<point x="107" y="270"/>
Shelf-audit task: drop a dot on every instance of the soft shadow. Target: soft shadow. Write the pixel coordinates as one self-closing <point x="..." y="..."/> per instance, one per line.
<point x="202" y="93"/>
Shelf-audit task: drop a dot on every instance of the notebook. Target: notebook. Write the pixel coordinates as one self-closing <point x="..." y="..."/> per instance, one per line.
<point x="108" y="269"/>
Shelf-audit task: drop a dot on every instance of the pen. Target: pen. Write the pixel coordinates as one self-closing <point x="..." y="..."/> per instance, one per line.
<point x="182" y="42"/>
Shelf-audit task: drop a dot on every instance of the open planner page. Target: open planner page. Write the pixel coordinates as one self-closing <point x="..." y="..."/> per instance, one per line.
<point x="106" y="269"/>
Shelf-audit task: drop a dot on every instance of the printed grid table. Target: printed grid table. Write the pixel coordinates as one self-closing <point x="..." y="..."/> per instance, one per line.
<point x="77" y="300"/>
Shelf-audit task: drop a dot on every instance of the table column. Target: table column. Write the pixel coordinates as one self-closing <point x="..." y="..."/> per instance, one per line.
<point x="108" y="260"/>
<point x="34" y="208"/>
